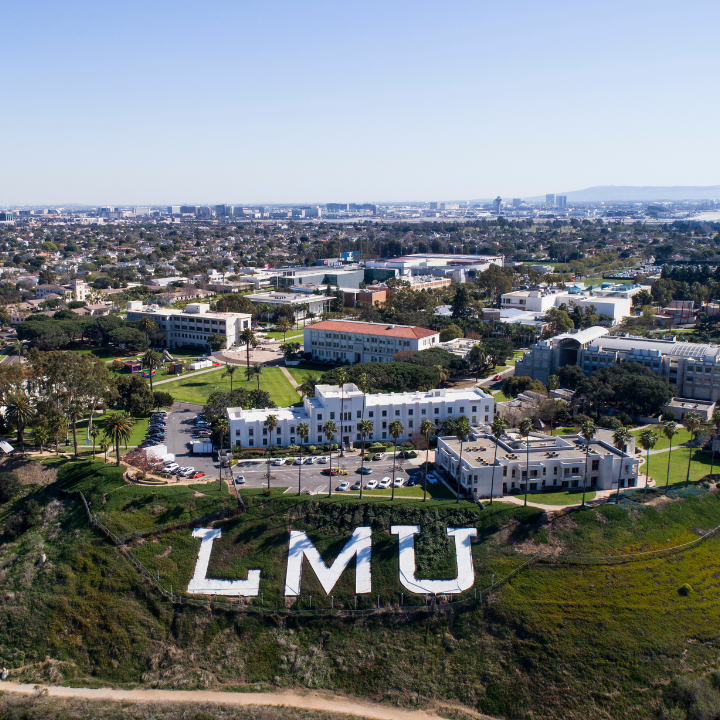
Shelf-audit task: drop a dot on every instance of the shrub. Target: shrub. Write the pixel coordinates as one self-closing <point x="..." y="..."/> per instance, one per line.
<point x="685" y="590"/>
<point x="9" y="486"/>
<point x="608" y="421"/>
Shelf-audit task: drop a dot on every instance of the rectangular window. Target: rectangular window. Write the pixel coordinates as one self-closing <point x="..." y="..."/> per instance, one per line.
<point x="474" y="408"/>
<point x="437" y="411"/>
<point x="319" y="417"/>
<point x="449" y="410"/>
<point x="371" y="414"/>
<point x="410" y="412"/>
<point x="332" y="415"/>
<point x="251" y="442"/>
<point x="423" y="411"/>
<point x="595" y="464"/>
<point x="359" y="414"/>
<point x="384" y="413"/>
<point x="397" y="413"/>
<point x="251" y="432"/>
<point x="319" y="428"/>
<point x="462" y="409"/>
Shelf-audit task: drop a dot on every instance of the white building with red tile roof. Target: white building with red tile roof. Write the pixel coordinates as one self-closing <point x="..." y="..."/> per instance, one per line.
<point x="358" y="342"/>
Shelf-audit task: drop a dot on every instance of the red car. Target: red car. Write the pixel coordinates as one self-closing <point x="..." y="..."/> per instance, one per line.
<point x="498" y="377"/>
<point x="328" y="471"/>
<point x="197" y="475"/>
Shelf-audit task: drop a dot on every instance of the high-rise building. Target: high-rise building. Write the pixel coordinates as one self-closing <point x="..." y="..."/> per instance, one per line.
<point x="550" y="199"/>
<point x="497" y="204"/>
<point x="188" y="209"/>
<point x="6" y="216"/>
<point x="174" y="209"/>
<point x="517" y="202"/>
<point x="561" y="201"/>
<point x="224" y="210"/>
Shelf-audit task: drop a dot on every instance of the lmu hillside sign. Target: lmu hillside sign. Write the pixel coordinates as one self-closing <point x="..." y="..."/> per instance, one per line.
<point x="358" y="546"/>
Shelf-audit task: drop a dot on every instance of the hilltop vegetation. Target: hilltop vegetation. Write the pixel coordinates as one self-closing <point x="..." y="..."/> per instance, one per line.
<point x="558" y="641"/>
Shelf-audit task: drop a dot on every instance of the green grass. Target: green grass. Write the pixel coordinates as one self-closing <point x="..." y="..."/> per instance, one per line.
<point x="563" y="497"/>
<point x="191" y="389"/>
<point x="290" y="335"/>
<point x="500" y="396"/>
<point x="682" y="436"/>
<point x="436" y="491"/>
<point x="699" y="467"/>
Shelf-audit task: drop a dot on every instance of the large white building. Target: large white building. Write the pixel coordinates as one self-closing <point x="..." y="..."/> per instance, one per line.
<point x="356" y="342"/>
<point x="193" y="325"/>
<point x="348" y="405"/>
<point x="554" y="463"/>
<point x="299" y="303"/>
<point x="74" y="290"/>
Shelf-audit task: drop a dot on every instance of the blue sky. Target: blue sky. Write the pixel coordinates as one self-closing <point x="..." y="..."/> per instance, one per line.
<point x="172" y="102"/>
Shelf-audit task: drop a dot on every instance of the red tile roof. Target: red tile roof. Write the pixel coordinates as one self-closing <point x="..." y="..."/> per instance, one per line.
<point x="397" y="331"/>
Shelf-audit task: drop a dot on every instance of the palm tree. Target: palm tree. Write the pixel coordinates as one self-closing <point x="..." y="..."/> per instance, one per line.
<point x="364" y="427"/>
<point x="94" y="432"/>
<point x="525" y="428"/>
<point x="257" y="371"/>
<point x="587" y="431"/>
<point x="247" y="338"/>
<point x="151" y="360"/>
<point x="41" y="436"/>
<point x="283" y="325"/>
<point x="553" y="383"/>
<point x="499" y="426"/>
<point x="20" y="411"/>
<point x="147" y="324"/>
<point x="104" y="446"/>
<point x="462" y="430"/>
<point x="118" y="426"/>
<point x="74" y="411"/>
<point x="426" y="427"/>
<point x="330" y="428"/>
<point x="271" y="422"/>
<point x="621" y="439"/>
<point x="222" y="428"/>
<point x="692" y="423"/>
<point x="396" y="429"/>
<point x="342" y="379"/>
<point x="230" y="370"/>
<point x="669" y="429"/>
<point x="302" y="431"/>
<point x="647" y="441"/>
<point x="307" y="387"/>
<point x="715" y="420"/>
<point x="442" y="374"/>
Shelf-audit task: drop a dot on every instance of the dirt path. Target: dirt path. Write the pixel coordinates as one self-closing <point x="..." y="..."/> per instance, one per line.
<point x="290" y="378"/>
<point x="310" y="701"/>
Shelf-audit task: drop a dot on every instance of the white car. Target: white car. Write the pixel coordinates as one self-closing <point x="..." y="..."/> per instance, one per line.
<point x="322" y="461"/>
<point x="187" y="471"/>
<point x="399" y="482"/>
<point x="385" y="483"/>
<point x="372" y="484"/>
<point x="310" y="461"/>
<point x="240" y="480"/>
<point x="299" y="461"/>
<point x="343" y="486"/>
<point x="169" y="468"/>
<point x="431" y="479"/>
<point x="279" y="461"/>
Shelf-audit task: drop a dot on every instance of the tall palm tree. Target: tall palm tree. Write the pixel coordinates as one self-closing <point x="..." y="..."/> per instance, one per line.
<point x="669" y="429"/>
<point x="621" y="439"/>
<point x="442" y="374"/>
<point x="498" y="427"/>
<point x="462" y="431"/>
<point x="715" y="420"/>
<point x="426" y="427"/>
<point x="302" y="431"/>
<point x="364" y="427"/>
<point x="342" y="379"/>
<point x="151" y="360"/>
<point x="330" y="428"/>
<point x="41" y="435"/>
<point x="222" y="427"/>
<point x="20" y="412"/>
<point x="230" y="370"/>
<point x="271" y="422"/>
<point x="307" y="387"/>
<point x="147" y="325"/>
<point x="247" y="338"/>
<point x="94" y="432"/>
<point x="525" y="428"/>
<point x="692" y="423"/>
<point x="74" y="411"/>
<point x="257" y="370"/>
<point x="396" y="429"/>
<point x="104" y="446"/>
<point x="118" y="426"/>
<point x="647" y="441"/>
<point x="587" y="432"/>
<point x="553" y="383"/>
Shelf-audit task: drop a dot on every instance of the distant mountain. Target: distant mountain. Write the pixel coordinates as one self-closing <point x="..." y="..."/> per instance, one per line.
<point x="638" y="193"/>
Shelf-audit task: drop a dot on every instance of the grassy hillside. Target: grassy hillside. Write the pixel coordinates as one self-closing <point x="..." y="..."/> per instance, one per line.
<point x="559" y="641"/>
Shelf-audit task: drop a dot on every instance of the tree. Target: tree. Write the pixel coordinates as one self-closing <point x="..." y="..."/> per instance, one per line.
<point x="498" y="350"/>
<point x="365" y="428"/>
<point x="230" y="371"/>
<point x="669" y="429"/>
<point x="525" y="428"/>
<point x="41" y="435"/>
<point x="148" y="325"/>
<point x="104" y="446"/>
<point x="587" y="431"/>
<point x="217" y="342"/>
<point x="271" y="422"/>
<point x="135" y="394"/>
<point x="461" y="304"/>
<point x="290" y="350"/>
<point x="130" y="337"/>
<point x="462" y="430"/>
<point x="499" y="426"/>
<point x="256" y="370"/>
<point x="514" y="385"/>
<point x="118" y="426"/>
<point x="559" y="320"/>
<point x="74" y="412"/>
<point x="716" y="424"/>
<point x="151" y="361"/>
<point x="553" y="383"/>
<point x="647" y="441"/>
<point x="621" y="439"/>
<point x="284" y="325"/>
<point x="162" y="399"/>
<point x="302" y="431"/>
<point x="442" y="374"/>
<point x="692" y="424"/>
<point x="450" y="333"/>
<point x="20" y="412"/>
<point x="329" y="428"/>
<point x="494" y="282"/>
<point x="478" y="360"/>
<point x="248" y="339"/>
<point x="9" y="486"/>
<point x="222" y="428"/>
<point x="571" y="376"/>
<point x="307" y="386"/>
<point x="426" y="427"/>
<point x="396" y="429"/>
<point x="94" y="435"/>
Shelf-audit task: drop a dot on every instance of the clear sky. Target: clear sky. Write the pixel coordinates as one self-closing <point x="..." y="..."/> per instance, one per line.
<point x="275" y="101"/>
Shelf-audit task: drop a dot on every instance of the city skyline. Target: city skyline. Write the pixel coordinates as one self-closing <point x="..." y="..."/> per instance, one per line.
<point x="138" y="104"/>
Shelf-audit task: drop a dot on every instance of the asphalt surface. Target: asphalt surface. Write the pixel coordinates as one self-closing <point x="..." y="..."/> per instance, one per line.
<point x="179" y="442"/>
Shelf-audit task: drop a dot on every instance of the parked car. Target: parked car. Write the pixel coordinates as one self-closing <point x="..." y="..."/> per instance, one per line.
<point x="431" y="479"/>
<point x="378" y="456"/>
<point x="343" y="486"/>
<point x="330" y="471"/>
<point x="371" y="485"/>
<point x="498" y="377"/>
<point x="411" y="482"/>
<point x="322" y="460"/>
<point x="299" y="461"/>
<point x="399" y="482"/>
<point x="357" y="485"/>
<point x="364" y="470"/>
<point x="385" y="483"/>
<point x="169" y="468"/>
<point x="198" y="475"/>
<point x="279" y="461"/>
<point x="240" y="480"/>
<point x="188" y="471"/>
<point x="310" y="461"/>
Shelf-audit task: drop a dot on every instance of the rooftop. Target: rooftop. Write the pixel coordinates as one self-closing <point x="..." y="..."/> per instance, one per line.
<point x="361" y="328"/>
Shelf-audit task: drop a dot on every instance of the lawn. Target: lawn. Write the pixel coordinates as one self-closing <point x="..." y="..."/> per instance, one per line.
<point x="500" y="396"/>
<point x="563" y="497"/>
<point x="699" y="467"/>
<point x="436" y="491"/>
<point x="681" y="437"/>
<point x="290" y="335"/>
<point x="192" y="389"/>
<point x="302" y="371"/>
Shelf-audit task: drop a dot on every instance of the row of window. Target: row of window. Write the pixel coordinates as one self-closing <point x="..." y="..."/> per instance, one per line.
<point x="398" y="413"/>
